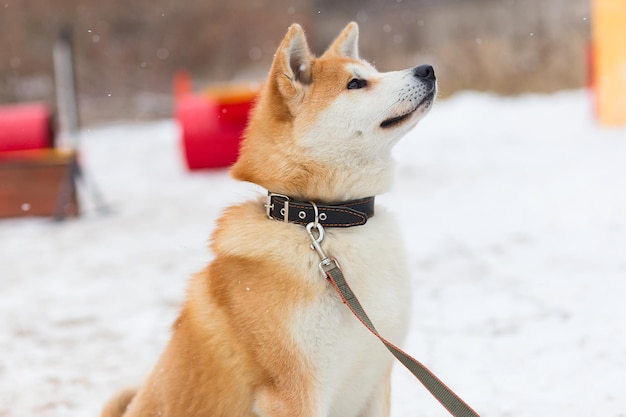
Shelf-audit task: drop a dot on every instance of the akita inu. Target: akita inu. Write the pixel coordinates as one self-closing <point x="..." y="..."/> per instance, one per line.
<point x="262" y="333"/>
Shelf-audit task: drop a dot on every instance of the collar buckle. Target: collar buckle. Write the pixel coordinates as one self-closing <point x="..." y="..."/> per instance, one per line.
<point x="269" y="206"/>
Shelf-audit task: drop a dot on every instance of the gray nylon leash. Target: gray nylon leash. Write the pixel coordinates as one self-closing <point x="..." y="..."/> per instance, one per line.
<point x="331" y="270"/>
<point x="453" y="403"/>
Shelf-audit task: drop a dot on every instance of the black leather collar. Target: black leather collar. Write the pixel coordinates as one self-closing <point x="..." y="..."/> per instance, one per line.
<point x="345" y="214"/>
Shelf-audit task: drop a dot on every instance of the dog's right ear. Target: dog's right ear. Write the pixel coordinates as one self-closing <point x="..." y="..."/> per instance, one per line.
<point x="347" y="43"/>
<point x="292" y="62"/>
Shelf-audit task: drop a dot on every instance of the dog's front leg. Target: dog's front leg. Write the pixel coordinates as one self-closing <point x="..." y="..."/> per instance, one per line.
<point x="379" y="404"/>
<point x="284" y="403"/>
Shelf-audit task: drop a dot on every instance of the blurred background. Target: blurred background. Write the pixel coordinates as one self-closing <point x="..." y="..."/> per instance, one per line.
<point x="127" y="52"/>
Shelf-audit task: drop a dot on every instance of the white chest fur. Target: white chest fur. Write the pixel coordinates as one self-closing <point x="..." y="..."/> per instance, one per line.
<point x="350" y="362"/>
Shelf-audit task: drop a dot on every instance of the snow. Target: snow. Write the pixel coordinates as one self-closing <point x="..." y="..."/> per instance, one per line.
<point x="514" y="219"/>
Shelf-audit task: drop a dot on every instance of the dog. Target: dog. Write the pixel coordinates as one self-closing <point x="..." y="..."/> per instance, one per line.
<point x="261" y="332"/>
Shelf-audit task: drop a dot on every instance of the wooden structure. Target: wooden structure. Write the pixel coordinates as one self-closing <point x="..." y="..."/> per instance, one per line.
<point x="38" y="182"/>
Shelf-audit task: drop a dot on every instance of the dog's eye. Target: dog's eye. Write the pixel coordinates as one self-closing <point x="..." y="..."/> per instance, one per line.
<point x="356" y="83"/>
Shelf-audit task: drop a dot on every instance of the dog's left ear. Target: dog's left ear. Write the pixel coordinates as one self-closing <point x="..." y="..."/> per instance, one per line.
<point x="347" y="43"/>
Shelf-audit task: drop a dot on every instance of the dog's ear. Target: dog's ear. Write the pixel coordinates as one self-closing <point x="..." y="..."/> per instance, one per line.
<point x="281" y="99"/>
<point x="293" y="58"/>
<point x="347" y="43"/>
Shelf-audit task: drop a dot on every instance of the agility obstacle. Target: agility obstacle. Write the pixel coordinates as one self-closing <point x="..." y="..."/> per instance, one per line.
<point x="212" y="122"/>
<point x="35" y="178"/>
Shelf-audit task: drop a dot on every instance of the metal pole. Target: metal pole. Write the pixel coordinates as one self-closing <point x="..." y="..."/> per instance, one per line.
<point x="68" y="111"/>
<point x="67" y="98"/>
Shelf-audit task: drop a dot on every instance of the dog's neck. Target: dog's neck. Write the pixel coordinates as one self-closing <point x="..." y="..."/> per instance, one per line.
<point x="309" y="179"/>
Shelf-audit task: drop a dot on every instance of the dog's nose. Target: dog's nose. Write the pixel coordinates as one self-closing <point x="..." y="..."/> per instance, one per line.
<point x="424" y="71"/>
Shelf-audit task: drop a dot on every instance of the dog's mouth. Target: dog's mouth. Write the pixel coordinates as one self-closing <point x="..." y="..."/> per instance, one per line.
<point x="397" y="120"/>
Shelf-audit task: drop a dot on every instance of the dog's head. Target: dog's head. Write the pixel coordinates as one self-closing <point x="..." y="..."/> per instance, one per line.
<point x="323" y="128"/>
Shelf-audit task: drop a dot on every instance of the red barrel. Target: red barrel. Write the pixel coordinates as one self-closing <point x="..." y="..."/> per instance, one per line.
<point x="25" y="126"/>
<point x="212" y="125"/>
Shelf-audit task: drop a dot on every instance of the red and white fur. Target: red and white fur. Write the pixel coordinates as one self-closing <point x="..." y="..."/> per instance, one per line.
<point x="261" y="332"/>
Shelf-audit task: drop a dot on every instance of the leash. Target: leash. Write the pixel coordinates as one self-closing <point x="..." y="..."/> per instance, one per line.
<point x="331" y="270"/>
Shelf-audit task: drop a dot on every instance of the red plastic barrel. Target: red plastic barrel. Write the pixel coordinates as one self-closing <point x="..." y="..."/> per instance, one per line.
<point x="212" y="125"/>
<point x="25" y="126"/>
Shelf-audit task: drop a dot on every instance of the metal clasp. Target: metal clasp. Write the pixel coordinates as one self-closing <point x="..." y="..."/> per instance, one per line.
<point x="316" y="242"/>
<point x="327" y="263"/>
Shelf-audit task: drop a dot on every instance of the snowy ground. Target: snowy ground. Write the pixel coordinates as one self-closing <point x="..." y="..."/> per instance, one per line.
<point x="515" y="220"/>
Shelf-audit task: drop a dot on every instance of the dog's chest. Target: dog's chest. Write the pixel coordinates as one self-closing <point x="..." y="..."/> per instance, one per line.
<point x="348" y="361"/>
